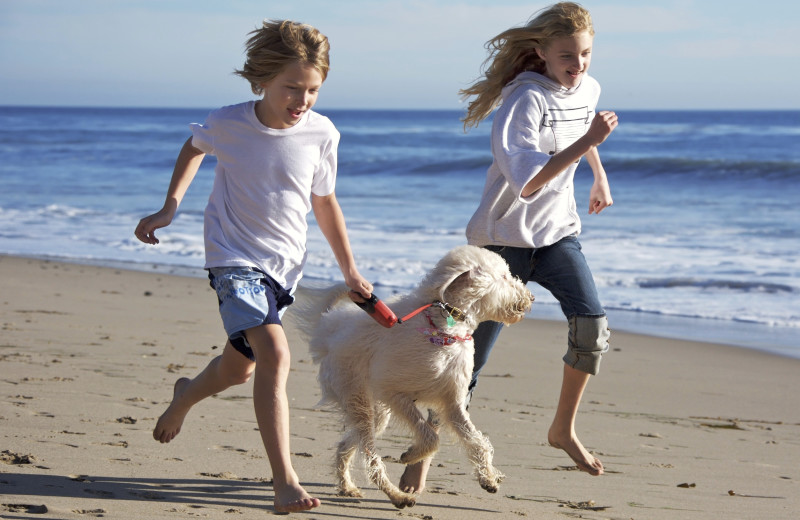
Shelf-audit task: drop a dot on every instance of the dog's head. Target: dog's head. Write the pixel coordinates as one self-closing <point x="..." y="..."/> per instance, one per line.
<point x="478" y="282"/>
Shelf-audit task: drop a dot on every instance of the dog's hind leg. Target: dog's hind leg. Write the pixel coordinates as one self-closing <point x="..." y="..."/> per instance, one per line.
<point x="344" y="457"/>
<point x="365" y="418"/>
<point x="479" y="449"/>
<point x="377" y="474"/>
<point x="426" y="437"/>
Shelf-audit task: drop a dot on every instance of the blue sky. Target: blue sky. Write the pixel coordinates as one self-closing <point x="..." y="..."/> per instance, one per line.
<point x="668" y="54"/>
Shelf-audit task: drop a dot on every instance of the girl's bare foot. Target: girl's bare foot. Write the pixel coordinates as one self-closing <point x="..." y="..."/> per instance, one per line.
<point x="414" y="476"/>
<point x="573" y="447"/>
<point x="170" y="422"/>
<point x="294" y="498"/>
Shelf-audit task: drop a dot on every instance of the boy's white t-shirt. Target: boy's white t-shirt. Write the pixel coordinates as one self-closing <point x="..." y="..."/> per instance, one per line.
<point x="537" y="119"/>
<point x="264" y="178"/>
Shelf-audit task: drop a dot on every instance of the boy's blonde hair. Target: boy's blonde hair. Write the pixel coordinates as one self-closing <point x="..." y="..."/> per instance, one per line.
<point x="514" y="51"/>
<point x="279" y="43"/>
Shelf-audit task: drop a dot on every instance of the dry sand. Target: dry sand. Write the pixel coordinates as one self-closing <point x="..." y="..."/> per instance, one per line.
<point x="88" y="357"/>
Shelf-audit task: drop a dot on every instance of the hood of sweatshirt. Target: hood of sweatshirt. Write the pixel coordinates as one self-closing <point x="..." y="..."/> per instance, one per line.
<point x="528" y="77"/>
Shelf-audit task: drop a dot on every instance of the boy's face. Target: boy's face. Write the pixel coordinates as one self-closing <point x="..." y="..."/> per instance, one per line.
<point x="289" y="95"/>
<point x="567" y="59"/>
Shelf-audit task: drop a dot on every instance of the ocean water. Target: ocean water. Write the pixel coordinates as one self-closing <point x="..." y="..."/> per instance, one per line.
<point x="701" y="243"/>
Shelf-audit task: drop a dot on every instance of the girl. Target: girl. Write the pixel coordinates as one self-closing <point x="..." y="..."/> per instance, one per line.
<point x="545" y="123"/>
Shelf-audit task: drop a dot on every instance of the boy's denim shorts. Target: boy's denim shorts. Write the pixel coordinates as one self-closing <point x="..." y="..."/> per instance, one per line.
<point x="247" y="298"/>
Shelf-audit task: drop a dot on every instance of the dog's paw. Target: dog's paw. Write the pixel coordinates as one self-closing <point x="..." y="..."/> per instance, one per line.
<point x="491" y="483"/>
<point x="409" y="457"/>
<point x="404" y="500"/>
<point x="414" y="455"/>
<point x="353" y="492"/>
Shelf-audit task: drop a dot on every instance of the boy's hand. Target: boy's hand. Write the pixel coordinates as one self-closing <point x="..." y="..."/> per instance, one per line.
<point x="358" y="286"/>
<point x="356" y="297"/>
<point x="146" y="230"/>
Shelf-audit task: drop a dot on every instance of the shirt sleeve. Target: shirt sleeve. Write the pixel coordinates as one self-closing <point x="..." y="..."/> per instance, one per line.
<point x="203" y="135"/>
<point x="515" y="142"/>
<point x="324" y="182"/>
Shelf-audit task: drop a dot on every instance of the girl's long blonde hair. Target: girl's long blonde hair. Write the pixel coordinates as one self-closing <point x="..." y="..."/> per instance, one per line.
<point x="514" y="51"/>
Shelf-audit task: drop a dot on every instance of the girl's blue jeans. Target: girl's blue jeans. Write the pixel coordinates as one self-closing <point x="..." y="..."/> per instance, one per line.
<point x="560" y="268"/>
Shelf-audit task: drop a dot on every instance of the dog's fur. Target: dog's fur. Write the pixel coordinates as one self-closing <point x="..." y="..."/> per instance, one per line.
<point x="369" y="371"/>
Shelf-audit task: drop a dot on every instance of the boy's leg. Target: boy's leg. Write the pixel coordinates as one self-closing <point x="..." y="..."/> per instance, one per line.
<point x="231" y="368"/>
<point x="271" y="404"/>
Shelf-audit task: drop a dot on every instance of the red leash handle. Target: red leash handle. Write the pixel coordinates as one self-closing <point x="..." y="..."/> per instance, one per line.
<point x="379" y="311"/>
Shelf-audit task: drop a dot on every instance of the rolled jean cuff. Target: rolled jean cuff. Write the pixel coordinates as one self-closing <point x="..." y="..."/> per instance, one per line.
<point x="588" y="341"/>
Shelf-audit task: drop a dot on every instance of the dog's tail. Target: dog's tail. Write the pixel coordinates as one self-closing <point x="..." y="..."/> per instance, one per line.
<point x="307" y="312"/>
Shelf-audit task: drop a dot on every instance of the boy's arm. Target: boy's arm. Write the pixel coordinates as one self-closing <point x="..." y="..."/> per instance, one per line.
<point x="186" y="167"/>
<point x="331" y="221"/>
<point x="600" y="194"/>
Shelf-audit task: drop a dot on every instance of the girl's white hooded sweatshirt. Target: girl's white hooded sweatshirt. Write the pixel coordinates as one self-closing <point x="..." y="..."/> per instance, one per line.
<point x="537" y="119"/>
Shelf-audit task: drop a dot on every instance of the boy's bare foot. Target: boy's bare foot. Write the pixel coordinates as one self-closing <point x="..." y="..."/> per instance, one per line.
<point x="170" y="422"/>
<point x="573" y="447"/>
<point x="294" y="498"/>
<point x="414" y="477"/>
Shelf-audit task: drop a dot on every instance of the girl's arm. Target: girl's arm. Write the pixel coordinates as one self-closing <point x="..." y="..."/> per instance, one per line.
<point x="600" y="194"/>
<point x="186" y="166"/>
<point x="602" y="125"/>
<point x="331" y="221"/>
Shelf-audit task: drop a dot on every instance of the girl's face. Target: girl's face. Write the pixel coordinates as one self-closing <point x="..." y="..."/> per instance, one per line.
<point x="567" y="59"/>
<point x="289" y="95"/>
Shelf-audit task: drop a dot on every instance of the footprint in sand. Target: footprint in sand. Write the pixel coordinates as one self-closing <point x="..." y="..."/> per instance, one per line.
<point x="11" y="458"/>
<point x="231" y="448"/>
<point x="99" y="513"/>
<point x="225" y="475"/>
<point x="31" y="509"/>
<point x="117" y="444"/>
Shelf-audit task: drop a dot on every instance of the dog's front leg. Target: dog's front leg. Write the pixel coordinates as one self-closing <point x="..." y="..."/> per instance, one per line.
<point x="479" y="449"/>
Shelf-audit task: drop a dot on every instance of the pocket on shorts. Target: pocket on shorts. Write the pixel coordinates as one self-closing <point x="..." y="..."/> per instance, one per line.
<point x="236" y="282"/>
<point x="243" y="302"/>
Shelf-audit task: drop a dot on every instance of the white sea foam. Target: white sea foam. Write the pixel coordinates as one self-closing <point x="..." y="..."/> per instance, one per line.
<point x="702" y="238"/>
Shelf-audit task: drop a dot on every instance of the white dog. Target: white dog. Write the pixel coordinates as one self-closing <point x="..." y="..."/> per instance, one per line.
<point x="369" y="371"/>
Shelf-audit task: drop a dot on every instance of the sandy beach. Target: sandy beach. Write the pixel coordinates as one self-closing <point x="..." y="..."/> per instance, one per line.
<point x="89" y="355"/>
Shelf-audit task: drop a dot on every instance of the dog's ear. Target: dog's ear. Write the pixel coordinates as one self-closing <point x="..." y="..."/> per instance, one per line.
<point x="460" y="281"/>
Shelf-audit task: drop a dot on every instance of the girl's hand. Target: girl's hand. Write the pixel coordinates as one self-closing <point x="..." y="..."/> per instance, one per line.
<point x="146" y="229"/>
<point x="603" y="124"/>
<point x="599" y="196"/>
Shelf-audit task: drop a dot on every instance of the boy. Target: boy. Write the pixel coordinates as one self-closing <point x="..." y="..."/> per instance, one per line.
<point x="276" y="161"/>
